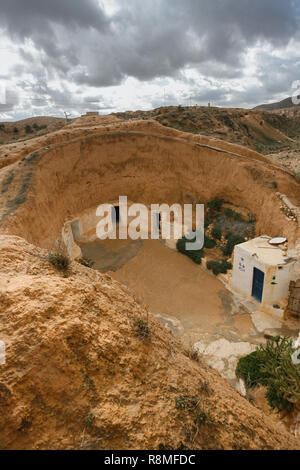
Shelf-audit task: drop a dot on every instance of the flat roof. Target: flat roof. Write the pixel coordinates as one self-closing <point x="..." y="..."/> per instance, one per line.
<point x="266" y="253"/>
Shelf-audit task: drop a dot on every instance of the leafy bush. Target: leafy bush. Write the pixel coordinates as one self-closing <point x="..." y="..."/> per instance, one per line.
<point x="203" y="417"/>
<point x="60" y="261"/>
<point x="216" y="233"/>
<point x="32" y="157"/>
<point x="28" y="129"/>
<point x="251" y="218"/>
<point x="208" y="220"/>
<point x="215" y="205"/>
<point x="249" y="369"/>
<point x="209" y="243"/>
<point x="271" y="365"/>
<point x="231" y="214"/>
<point x="186" y="402"/>
<point x="142" y="329"/>
<point x="194" y="255"/>
<point x="297" y="176"/>
<point x="219" y="267"/>
<point x="232" y="241"/>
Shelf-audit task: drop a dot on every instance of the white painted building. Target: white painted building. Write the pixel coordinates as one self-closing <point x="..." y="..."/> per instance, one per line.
<point x="262" y="271"/>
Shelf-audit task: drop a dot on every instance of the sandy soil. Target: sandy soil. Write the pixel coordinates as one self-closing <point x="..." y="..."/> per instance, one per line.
<point x="188" y="300"/>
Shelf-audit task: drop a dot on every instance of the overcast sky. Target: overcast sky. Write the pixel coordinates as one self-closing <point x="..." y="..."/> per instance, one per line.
<point x="114" y="55"/>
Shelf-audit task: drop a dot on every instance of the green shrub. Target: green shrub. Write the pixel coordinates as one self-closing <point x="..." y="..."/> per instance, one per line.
<point x="219" y="267"/>
<point x="89" y="420"/>
<point x="203" y="417"/>
<point x="186" y="402"/>
<point x="32" y="157"/>
<point x="208" y="220"/>
<point x="142" y="329"/>
<point x="215" y="205"/>
<point x="249" y="369"/>
<point x="277" y="400"/>
<point x="231" y="214"/>
<point x="216" y="233"/>
<point x="209" y="243"/>
<point x="251" y="218"/>
<point x="28" y="129"/>
<point x="194" y="255"/>
<point x="232" y="241"/>
<point x="297" y="176"/>
<point x="271" y="365"/>
<point x="60" y="261"/>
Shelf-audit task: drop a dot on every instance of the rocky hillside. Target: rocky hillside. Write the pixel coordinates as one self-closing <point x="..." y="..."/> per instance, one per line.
<point x="256" y="129"/>
<point x="28" y="128"/>
<point x="88" y="368"/>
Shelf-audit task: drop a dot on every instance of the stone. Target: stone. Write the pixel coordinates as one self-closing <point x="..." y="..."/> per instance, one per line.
<point x="262" y="322"/>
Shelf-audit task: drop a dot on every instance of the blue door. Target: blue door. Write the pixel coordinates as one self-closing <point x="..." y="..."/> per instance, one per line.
<point x="258" y="284"/>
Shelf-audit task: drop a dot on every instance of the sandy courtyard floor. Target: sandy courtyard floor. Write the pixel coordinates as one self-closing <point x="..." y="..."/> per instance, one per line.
<point x="188" y="300"/>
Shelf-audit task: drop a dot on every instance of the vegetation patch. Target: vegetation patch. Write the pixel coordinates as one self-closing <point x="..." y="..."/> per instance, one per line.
<point x="232" y="241"/>
<point x="271" y="365"/>
<point x="60" y="261"/>
<point x="87" y="262"/>
<point x="142" y="329"/>
<point x="7" y="181"/>
<point x="219" y="267"/>
<point x="216" y="233"/>
<point x="186" y="402"/>
<point x="209" y="243"/>
<point x="192" y="354"/>
<point x="32" y="157"/>
<point x="194" y="255"/>
<point x="21" y="197"/>
<point x="89" y="420"/>
<point x="297" y="176"/>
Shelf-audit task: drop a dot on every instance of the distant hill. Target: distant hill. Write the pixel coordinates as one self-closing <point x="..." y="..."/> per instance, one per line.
<point x="258" y="129"/>
<point x="28" y="128"/>
<point x="286" y="103"/>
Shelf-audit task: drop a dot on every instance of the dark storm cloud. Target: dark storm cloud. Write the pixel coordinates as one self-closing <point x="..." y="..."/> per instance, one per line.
<point x="146" y="39"/>
<point x="24" y="18"/>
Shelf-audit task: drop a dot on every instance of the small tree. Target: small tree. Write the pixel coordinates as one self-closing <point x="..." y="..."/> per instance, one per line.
<point x="216" y="233"/>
